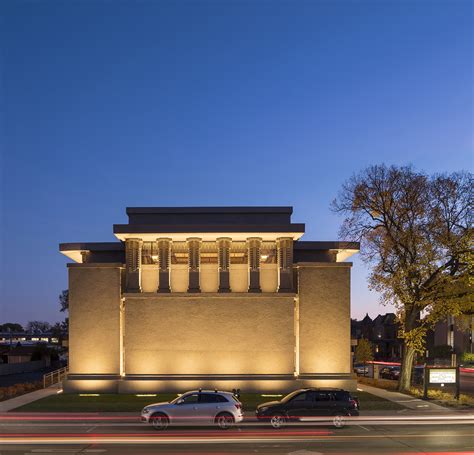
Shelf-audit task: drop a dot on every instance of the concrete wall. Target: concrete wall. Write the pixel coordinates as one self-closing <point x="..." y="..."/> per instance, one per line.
<point x="324" y="317"/>
<point x="269" y="277"/>
<point x="209" y="278"/>
<point x="209" y="334"/>
<point x="149" y="278"/>
<point x="239" y="277"/>
<point x="94" y="319"/>
<point x="179" y="277"/>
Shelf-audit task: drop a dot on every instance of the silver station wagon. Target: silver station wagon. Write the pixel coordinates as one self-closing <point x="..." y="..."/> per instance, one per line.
<point x="202" y="407"/>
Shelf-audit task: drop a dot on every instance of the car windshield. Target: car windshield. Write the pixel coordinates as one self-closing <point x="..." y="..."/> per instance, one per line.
<point x="174" y="400"/>
<point x="290" y="396"/>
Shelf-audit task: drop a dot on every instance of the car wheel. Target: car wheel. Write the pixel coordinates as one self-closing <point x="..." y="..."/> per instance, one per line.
<point x="159" y="421"/>
<point x="225" y="420"/>
<point x="277" y="421"/>
<point x="339" y="421"/>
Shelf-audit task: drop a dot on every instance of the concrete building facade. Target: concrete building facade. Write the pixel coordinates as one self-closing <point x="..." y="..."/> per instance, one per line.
<point x="226" y="297"/>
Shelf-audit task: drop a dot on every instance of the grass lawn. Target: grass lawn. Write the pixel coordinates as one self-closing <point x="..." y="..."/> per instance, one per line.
<point x="66" y="402"/>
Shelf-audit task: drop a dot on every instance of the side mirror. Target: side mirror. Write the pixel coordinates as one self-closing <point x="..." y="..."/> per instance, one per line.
<point x="180" y="401"/>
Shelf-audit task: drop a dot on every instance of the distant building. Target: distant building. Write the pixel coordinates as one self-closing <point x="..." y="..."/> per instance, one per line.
<point x="23" y="338"/>
<point x="226" y="297"/>
<point x="382" y="332"/>
<point x="21" y="354"/>
<point x="455" y="332"/>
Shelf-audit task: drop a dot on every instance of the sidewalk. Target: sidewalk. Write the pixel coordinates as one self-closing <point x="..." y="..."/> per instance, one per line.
<point x="16" y="402"/>
<point x="402" y="399"/>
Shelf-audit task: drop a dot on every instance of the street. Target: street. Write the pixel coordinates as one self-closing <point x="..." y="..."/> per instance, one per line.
<point x="467" y="381"/>
<point x="117" y="434"/>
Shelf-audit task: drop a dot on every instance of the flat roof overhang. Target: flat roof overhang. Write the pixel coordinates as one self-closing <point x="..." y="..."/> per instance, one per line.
<point x="344" y="250"/>
<point x="74" y="250"/>
<point x="208" y="232"/>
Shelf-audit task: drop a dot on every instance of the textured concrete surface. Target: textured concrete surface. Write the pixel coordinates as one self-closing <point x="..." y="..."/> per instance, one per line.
<point x="209" y="335"/>
<point x="324" y="317"/>
<point x="94" y="319"/>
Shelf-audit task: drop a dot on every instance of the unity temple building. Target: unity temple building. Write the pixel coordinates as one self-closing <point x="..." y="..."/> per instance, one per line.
<point x="221" y="297"/>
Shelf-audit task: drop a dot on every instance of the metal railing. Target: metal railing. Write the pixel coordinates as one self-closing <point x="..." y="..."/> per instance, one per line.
<point x="54" y="377"/>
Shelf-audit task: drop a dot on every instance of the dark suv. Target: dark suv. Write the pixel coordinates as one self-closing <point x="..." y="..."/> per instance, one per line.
<point x="301" y="405"/>
<point x="390" y="373"/>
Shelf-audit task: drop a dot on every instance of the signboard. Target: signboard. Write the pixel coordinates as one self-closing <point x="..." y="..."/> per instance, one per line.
<point x="442" y="376"/>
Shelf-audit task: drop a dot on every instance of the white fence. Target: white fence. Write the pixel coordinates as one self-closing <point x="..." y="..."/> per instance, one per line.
<point x="54" y="377"/>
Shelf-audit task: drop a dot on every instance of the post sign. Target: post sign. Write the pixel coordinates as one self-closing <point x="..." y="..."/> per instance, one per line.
<point x="442" y="376"/>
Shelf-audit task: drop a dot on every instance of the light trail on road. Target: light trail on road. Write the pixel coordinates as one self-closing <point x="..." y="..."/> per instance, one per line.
<point x="150" y="439"/>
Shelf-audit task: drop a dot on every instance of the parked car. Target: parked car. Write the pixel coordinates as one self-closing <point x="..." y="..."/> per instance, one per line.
<point x="304" y="404"/>
<point x="202" y="407"/>
<point x="390" y="373"/>
<point x="361" y="370"/>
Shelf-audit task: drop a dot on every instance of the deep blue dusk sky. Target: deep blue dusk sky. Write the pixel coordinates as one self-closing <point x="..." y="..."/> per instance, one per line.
<point x="109" y="104"/>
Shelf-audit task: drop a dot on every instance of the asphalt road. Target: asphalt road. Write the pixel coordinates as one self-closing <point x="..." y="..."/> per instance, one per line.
<point x="466" y="382"/>
<point x="76" y="434"/>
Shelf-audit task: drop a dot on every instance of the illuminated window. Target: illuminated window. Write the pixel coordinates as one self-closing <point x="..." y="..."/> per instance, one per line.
<point x="150" y="253"/>
<point x="179" y="253"/>
<point x="268" y="253"/>
<point x="238" y="253"/>
<point x="209" y="253"/>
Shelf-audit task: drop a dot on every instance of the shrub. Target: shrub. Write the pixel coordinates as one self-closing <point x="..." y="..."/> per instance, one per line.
<point x="466" y="358"/>
<point x="19" y="389"/>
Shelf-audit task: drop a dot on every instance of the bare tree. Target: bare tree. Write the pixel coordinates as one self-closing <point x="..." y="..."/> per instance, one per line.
<point x="38" y="327"/>
<point x="416" y="234"/>
<point x="64" y="300"/>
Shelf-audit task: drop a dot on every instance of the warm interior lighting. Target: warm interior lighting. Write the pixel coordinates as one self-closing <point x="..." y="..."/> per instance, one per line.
<point x="145" y="395"/>
<point x="89" y="394"/>
<point x="264" y="257"/>
<point x="271" y="395"/>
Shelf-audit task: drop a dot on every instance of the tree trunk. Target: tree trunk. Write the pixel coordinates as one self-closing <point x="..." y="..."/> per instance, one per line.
<point x="408" y="357"/>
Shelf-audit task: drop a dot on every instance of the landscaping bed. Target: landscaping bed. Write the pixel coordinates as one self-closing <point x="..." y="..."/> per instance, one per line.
<point x="16" y="390"/>
<point x="65" y="402"/>
<point x="445" y="398"/>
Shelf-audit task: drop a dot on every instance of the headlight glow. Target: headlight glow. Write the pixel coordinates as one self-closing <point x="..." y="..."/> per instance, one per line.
<point x="263" y="409"/>
<point x="145" y="411"/>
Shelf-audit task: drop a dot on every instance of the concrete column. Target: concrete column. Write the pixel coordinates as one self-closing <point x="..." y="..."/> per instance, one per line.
<point x="164" y="258"/>
<point x="194" y="262"/>
<point x="133" y="258"/>
<point x="285" y="264"/>
<point x="253" y="244"/>
<point x="223" y="257"/>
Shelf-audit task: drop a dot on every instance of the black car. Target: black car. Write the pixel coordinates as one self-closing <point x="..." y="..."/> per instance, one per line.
<point x="392" y="373"/>
<point x="303" y="404"/>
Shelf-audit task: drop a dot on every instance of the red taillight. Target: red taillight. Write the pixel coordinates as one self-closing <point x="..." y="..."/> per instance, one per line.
<point x="354" y="403"/>
<point x="238" y="405"/>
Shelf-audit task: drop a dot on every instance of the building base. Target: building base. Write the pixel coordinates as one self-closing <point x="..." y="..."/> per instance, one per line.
<point x="181" y="383"/>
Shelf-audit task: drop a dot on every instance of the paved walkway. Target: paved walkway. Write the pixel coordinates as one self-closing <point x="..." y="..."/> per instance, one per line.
<point x="402" y="399"/>
<point x="16" y="402"/>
